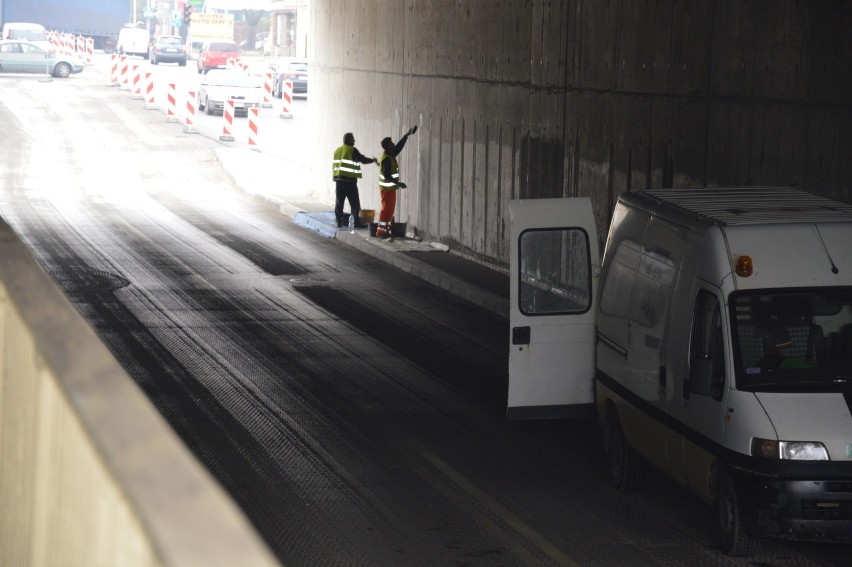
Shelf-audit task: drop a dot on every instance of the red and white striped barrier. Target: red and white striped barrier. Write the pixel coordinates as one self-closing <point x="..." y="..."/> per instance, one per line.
<point x="171" y="103"/>
<point x="231" y="64"/>
<point x="227" y="121"/>
<point x="150" y="101"/>
<point x="114" y="76"/>
<point x="90" y="51"/>
<point x="189" y="114"/>
<point x="136" y="81"/>
<point x="124" y="71"/>
<point x="55" y="43"/>
<point x="267" y="91"/>
<point x="253" y="120"/>
<point x="80" y="47"/>
<point x="286" y="100"/>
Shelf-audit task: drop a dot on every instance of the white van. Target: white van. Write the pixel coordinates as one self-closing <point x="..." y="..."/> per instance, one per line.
<point x="714" y="342"/>
<point x="34" y="33"/>
<point x="133" y="41"/>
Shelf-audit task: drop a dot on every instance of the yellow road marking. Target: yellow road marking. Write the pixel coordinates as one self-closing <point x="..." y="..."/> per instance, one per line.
<point x="528" y="533"/>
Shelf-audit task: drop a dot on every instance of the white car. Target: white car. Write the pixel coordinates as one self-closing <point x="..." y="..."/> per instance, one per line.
<point x="219" y="85"/>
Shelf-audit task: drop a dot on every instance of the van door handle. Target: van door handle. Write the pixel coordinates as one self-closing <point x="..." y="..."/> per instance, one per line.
<point x="520" y="335"/>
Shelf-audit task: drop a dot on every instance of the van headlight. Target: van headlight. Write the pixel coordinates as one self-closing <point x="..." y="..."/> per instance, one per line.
<point x="790" y="450"/>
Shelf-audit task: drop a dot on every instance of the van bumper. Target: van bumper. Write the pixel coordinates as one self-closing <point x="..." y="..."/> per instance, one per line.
<point x="812" y="510"/>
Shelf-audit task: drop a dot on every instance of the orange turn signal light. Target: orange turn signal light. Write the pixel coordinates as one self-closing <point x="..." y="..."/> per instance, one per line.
<point x="744" y="266"/>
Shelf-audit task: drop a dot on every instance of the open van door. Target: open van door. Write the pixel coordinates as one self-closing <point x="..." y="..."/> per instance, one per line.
<point x="555" y="266"/>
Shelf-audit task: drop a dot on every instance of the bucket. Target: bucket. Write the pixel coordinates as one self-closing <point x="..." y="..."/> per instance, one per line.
<point x="367" y="216"/>
<point x="373" y="227"/>
<point x="398" y="229"/>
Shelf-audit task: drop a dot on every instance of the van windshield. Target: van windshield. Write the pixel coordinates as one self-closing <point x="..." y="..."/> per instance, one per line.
<point x="793" y="340"/>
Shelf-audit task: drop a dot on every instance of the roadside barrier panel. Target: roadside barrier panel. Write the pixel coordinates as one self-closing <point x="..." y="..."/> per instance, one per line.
<point x="81" y="45"/>
<point x="55" y="41"/>
<point x="124" y="71"/>
<point x="227" y="122"/>
<point x="286" y="100"/>
<point x="267" y="90"/>
<point x="171" y="103"/>
<point x="252" y="127"/>
<point x="114" y="76"/>
<point x="136" y="81"/>
<point x="150" y="100"/>
<point x="90" y="51"/>
<point x="189" y="113"/>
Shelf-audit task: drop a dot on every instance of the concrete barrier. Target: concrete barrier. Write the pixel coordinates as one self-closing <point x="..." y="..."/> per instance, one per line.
<point x="90" y="473"/>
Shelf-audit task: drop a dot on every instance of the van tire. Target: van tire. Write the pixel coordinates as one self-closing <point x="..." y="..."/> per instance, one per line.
<point x="732" y="520"/>
<point x="626" y="468"/>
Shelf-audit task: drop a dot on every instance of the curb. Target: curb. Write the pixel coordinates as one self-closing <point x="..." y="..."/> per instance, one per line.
<point x="368" y="245"/>
<point x="446" y="281"/>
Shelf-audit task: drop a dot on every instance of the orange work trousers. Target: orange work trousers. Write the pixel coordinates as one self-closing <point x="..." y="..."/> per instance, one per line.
<point x="388" y="206"/>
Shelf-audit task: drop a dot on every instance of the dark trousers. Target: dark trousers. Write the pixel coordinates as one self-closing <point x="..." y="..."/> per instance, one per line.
<point x="347" y="190"/>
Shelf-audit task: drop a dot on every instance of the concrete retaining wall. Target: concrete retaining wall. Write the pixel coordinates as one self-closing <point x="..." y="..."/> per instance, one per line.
<point x="90" y="474"/>
<point x="546" y="98"/>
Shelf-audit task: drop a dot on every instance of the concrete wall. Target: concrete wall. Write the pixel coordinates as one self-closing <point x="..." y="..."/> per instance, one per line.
<point x="547" y="98"/>
<point x="90" y="474"/>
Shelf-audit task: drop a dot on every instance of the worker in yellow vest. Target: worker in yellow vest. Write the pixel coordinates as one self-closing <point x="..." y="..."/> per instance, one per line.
<point x="389" y="181"/>
<point x="346" y="171"/>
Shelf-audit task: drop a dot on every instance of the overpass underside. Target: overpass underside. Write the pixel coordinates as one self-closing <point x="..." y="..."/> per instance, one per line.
<point x="534" y="99"/>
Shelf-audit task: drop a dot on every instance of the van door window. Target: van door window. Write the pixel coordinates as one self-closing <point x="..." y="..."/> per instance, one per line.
<point x="554" y="272"/>
<point x="707" y="346"/>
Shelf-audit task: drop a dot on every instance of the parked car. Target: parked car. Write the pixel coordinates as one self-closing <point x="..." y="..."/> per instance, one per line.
<point x="293" y="70"/>
<point x="220" y="85"/>
<point x="168" y="49"/>
<point x="25" y="57"/>
<point x="215" y="54"/>
<point x="109" y="44"/>
<point x="133" y="41"/>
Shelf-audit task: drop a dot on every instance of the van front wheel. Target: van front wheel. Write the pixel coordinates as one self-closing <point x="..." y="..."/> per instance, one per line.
<point x="733" y="525"/>
<point x="626" y="468"/>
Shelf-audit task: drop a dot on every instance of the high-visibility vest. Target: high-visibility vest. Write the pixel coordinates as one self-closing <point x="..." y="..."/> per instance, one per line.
<point x="388" y="184"/>
<point x="343" y="165"/>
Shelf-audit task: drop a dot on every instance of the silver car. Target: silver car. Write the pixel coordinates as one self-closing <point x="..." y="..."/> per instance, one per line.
<point x="25" y="57"/>
<point x="220" y="85"/>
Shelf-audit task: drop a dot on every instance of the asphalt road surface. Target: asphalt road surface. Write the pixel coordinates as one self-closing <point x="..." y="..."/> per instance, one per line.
<point x="356" y="414"/>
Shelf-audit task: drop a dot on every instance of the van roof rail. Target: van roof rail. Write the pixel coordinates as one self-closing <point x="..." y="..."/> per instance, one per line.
<point x="753" y="205"/>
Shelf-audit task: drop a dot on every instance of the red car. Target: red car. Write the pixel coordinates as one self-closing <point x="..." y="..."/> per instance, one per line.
<point x="215" y="54"/>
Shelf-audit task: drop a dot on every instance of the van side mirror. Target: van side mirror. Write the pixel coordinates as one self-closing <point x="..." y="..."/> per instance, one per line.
<point x="701" y="376"/>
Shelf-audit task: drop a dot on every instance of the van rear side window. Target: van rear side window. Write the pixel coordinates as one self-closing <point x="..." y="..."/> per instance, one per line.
<point x="28" y="35"/>
<point x="555" y="274"/>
